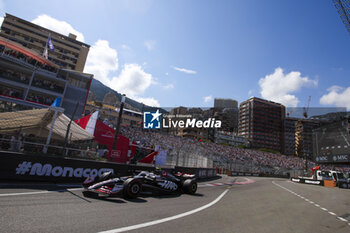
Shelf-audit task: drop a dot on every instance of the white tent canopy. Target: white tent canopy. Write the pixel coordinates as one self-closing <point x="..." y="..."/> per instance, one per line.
<point x="38" y="122"/>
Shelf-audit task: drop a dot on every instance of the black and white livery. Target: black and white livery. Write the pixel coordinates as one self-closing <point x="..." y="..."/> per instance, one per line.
<point x="159" y="182"/>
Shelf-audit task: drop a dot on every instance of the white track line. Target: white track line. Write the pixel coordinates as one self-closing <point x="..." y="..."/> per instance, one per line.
<point x="3" y="185"/>
<point x="38" y="192"/>
<point x="147" y="224"/>
<point x="311" y="202"/>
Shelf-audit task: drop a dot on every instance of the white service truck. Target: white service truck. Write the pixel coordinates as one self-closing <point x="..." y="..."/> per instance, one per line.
<point x="329" y="175"/>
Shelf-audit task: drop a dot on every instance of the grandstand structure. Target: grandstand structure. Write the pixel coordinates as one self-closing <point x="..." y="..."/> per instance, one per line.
<point x="30" y="81"/>
<point x="69" y="53"/>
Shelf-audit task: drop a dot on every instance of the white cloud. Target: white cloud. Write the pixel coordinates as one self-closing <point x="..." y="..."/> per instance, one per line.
<point x="250" y="92"/>
<point x="150" y="44"/>
<point x="1" y="20"/>
<point x="169" y="86"/>
<point x="338" y="96"/>
<point x="279" y="86"/>
<point x="57" y="26"/>
<point x="150" y="101"/>
<point x="101" y="61"/>
<point x="132" y="81"/>
<point x="187" y="71"/>
<point x="208" y="98"/>
<point x="166" y="73"/>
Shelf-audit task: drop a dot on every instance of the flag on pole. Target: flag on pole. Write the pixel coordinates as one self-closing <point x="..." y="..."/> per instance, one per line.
<point x="49" y="45"/>
<point x="46" y="53"/>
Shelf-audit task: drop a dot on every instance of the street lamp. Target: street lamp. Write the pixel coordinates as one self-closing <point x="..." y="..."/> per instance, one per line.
<point x="118" y="122"/>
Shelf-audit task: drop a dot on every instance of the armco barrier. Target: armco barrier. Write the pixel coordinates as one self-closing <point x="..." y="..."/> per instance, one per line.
<point x="17" y="166"/>
<point x="244" y="174"/>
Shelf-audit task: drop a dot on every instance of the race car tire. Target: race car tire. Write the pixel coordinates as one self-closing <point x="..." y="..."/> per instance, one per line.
<point x="90" y="194"/>
<point x="189" y="186"/>
<point x="132" y="188"/>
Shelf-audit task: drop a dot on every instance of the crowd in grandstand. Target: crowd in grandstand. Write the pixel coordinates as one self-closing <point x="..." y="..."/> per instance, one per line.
<point x="48" y="85"/>
<point x="40" y="99"/>
<point x="11" y="92"/>
<point x="228" y="153"/>
<point x="13" y="75"/>
<point x="22" y="57"/>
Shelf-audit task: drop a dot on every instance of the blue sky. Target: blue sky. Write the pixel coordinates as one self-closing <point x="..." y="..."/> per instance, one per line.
<point x="172" y="53"/>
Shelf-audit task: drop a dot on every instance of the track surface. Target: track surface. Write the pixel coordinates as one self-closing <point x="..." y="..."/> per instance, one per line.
<point x="268" y="205"/>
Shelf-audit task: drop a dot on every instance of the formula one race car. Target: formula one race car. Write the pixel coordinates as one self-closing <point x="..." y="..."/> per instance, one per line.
<point x="132" y="186"/>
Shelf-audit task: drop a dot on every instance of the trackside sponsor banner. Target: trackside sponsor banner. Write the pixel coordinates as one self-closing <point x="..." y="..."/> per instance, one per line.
<point x="16" y="166"/>
<point x="344" y="158"/>
<point x="38" y="169"/>
<point x="312" y="182"/>
<point x="202" y="173"/>
<point x="307" y="181"/>
<point x="296" y="180"/>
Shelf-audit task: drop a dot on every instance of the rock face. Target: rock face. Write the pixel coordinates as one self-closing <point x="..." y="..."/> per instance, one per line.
<point x="110" y="99"/>
<point x="92" y="96"/>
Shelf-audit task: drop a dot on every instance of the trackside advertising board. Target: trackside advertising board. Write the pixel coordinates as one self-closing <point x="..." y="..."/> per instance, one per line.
<point x="55" y="169"/>
<point x="307" y="181"/>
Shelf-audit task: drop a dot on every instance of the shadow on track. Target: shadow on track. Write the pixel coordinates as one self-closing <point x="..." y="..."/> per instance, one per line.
<point x="174" y="195"/>
<point x="108" y="199"/>
<point x="82" y="198"/>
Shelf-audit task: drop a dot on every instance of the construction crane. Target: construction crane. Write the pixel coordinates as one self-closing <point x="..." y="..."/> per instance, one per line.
<point x="306" y="110"/>
<point x="343" y="8"/>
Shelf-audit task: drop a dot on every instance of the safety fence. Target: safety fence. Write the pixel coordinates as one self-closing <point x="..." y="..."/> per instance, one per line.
<point x="34" y="145"/>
